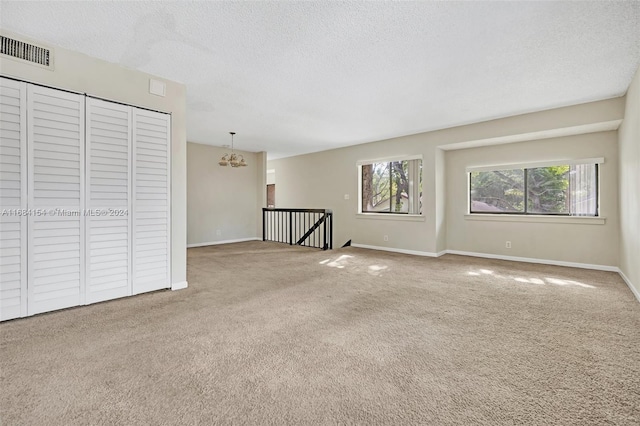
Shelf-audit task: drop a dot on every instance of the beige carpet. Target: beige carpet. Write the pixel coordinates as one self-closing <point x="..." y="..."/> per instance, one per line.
<point x="272" y="334"/>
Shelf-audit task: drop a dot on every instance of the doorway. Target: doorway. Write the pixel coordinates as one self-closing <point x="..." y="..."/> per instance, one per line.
<point x="271" y="195"/>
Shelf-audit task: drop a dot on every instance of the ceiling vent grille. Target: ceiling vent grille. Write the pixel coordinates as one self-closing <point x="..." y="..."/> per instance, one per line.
<point x="25" y="51"/>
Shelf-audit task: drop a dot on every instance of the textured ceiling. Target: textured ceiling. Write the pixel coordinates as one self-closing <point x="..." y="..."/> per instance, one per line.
<point x="296" y="77"/>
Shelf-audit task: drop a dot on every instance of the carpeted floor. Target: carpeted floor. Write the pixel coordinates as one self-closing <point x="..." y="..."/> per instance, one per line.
<point x="272" y="334"/>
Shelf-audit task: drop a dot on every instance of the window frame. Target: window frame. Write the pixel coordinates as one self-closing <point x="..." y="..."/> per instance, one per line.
<point x="525" y="166"/>
<point x="413" y="188"/>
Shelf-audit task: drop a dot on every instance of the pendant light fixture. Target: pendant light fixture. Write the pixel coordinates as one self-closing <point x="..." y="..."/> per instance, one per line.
<point x="233" y="160"/>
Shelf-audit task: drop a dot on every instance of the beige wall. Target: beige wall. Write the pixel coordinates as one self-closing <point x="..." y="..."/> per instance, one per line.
<point x="595" y="244"/>
<point x="223" y="203"/>
<point x="629" y="178"/>
<point x="80" y="73"/>
<point x="271" y="177"/>
<point x="321" y="180"/>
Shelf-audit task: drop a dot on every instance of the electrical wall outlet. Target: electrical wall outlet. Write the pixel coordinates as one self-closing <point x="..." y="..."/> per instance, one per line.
<point x="346" y="196"/>
<point x="218" y="232"/>
<point x="386" y="238"/>
<point x="507" y="244"/>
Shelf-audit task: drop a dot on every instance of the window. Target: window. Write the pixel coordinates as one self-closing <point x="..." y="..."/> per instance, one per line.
<point x="391" y="187"/>
<point x="561" y="189"/>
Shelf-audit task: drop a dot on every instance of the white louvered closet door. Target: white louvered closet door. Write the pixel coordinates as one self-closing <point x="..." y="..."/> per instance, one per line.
<point x="151" y="198"/>
<point x="56" y="189"/>
<point x="108" y="199"/>
<point x="13" y="196"/>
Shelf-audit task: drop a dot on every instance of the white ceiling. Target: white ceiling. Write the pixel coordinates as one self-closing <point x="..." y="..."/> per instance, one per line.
<point x="297" y="77"/>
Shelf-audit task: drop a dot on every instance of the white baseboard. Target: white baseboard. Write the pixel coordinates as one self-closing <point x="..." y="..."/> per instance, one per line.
<point x="213" y="243"/>
<point x="179" y="286"/>
<point x="492" y="256"/>
<point x="534" y="260"/>
<point x="635" y="292"/>
<point x="397" y="250"/>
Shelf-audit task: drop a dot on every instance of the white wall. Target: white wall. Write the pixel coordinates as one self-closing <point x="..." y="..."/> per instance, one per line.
<point x="575" y="240"/>
<point x="80" y="73"/>
<point x="629" y="186"/>
<point x="271" y="177"/>
<point x="321" y="180"/>
<point x="223" y="203"/>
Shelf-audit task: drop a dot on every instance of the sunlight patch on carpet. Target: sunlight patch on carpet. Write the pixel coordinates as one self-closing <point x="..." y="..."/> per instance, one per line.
<point x="340" y="262"/>
<point x="557" y="281"/>
<point x="377" y="269"/>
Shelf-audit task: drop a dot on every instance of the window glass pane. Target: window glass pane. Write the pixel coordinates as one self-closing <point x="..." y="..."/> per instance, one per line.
<point x="500" y="191"/>
<point x="583" y="194"/>
<point x="548" y="190"/>
<point x="554" y="190"/>
<point x="376" y="187"/>
<point x="392" y="187"/>
<point x="400" y="187"/>
<point x="420" y="187"/>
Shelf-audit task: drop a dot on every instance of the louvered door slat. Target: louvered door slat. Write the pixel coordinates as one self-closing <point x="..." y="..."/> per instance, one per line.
<point x="108" y="266"/>
<point x="13" y="195"/>
<point x="56" y="186"/>
<point x="151" y="183"/>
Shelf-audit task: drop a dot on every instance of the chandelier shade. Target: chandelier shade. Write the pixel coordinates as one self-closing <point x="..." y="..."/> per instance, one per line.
<point x="233" y="159"/>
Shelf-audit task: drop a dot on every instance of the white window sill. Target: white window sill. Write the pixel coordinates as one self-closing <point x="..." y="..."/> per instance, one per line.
<point x="583" y="220"/>
<point x="391" y="216"/>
